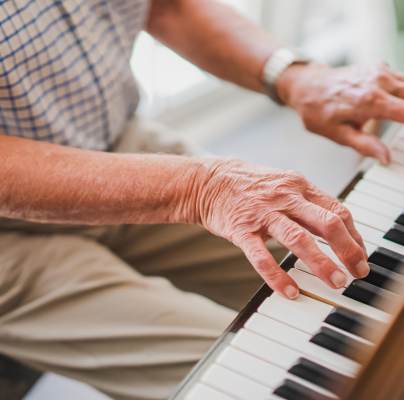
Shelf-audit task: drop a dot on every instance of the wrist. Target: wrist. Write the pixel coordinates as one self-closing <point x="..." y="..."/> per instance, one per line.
<point x="191" y="189"/>
<point x="211" y="180"/>
<point x="287" y="83"/>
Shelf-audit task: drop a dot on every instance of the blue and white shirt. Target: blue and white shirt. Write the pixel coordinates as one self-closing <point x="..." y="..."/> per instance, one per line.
<point x="65" y="75"/>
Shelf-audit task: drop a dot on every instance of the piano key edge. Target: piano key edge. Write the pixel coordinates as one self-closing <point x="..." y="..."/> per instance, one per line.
<point x="224" y="340"/>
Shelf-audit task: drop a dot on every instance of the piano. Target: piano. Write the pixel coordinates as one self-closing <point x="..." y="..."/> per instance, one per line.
<point x="327" y="344"/>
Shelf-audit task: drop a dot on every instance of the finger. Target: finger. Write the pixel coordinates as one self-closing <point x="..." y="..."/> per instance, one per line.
<point x="367" y="145"/>
<point x="328" y="202"/>
<point x="388" y="107"/>
<point x="397" y="89"/>
<point x="330" y="226"/>
<point x="398" y="75"/>
<point x="302" y="244"/>
<point x="261" y="259"/>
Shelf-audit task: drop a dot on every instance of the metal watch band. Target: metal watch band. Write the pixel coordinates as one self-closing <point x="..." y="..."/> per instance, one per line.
<point x="277" y="63"/>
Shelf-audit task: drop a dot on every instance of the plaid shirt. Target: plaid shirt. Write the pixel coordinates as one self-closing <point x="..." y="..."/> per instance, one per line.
<point x="64" y="69"/>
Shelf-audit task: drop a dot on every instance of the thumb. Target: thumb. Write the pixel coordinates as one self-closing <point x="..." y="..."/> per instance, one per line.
<point x="365" y="144"/>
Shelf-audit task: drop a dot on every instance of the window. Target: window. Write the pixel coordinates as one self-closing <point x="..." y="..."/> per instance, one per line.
<point x="320" y="27"/>
<point x="156" y="68"/>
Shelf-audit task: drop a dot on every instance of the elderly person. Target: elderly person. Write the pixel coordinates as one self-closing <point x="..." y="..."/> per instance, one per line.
<point x="102" y="243"/>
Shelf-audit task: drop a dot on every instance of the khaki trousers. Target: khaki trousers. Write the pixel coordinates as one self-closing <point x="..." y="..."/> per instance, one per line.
<point x="127" y="309"/>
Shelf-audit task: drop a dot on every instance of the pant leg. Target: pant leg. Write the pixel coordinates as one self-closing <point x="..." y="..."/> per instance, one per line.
<point x="69" y="305"/>
<point x="191" y="258"/>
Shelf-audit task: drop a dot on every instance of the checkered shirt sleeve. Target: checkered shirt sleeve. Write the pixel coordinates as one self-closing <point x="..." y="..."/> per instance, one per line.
<point x="65" y="75"/>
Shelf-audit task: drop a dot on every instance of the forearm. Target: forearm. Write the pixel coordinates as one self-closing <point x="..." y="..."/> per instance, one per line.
<point x="49" y="183"/>
<point x="215" y="37"/>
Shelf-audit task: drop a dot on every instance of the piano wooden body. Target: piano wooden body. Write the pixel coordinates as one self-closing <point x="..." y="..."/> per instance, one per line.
<point x="328" y="344"/>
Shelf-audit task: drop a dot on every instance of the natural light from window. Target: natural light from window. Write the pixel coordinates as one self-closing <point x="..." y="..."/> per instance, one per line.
<point x="167" y="80"/>
<point x="156" y="67"/>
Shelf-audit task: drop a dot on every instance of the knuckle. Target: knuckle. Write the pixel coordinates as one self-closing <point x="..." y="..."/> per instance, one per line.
<point x="332" y="223"/>
<point x="319" y="261"/>
<point x="321" y="267"/>
<point x="372" y="97"/>
<point x="294" y="236"/>
<point x="280" y="188"/>
<point x="274" y="218"/>
<point x="294" y="177"/>
<point x="308" y="122"/>
<point x="383" y="74"/>
<point x="260" y="260"/>
<point x="383" y="79"/>
<point x="351" y="254"/>
<point x="274" y="274"/>
<point x="337" y="208"/>
<point x="344" y="213"/>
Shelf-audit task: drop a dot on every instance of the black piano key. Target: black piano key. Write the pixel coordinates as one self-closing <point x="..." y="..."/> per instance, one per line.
<point x="351" y="322"/>
<point x="362" y="291"/>
<point x="291" y="390"/>
<point x="339" y="343"/>
<point x="368" y="294"/>
<point x="400" y="219"/>
<point x="379" y="276"/>
<point x="320" y="376"/>
<point x="395" y="235"/>
<point x="387" y="259"/>
<point x="384" y="278"/>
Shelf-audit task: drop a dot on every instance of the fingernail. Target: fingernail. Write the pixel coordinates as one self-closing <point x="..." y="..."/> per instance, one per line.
<point x="365" y="252"/>
<point x="291" y="292"/>
<point x="384" y="159"/>
<point x="362" y="269"/>
<point x="338" y="279"/>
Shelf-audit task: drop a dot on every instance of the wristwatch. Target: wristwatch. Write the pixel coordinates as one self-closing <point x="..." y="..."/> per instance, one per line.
<point x="277" y="63"/>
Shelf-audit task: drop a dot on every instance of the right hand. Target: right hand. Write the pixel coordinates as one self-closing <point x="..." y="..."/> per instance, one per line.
<point x="248" y="204"/>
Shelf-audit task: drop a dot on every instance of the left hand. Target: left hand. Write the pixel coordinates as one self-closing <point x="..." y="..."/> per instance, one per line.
<point x="337" y="102"/>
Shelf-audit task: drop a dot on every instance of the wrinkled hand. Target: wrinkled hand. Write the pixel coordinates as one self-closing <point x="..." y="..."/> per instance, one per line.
<point x="248" y="204"/>
<point x="337" y="102"/>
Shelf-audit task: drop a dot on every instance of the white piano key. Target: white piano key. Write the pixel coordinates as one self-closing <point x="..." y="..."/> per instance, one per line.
<point x="396" y="168"/>
<point x="380" y="192"/>
<point x="397" y="131"/>
<point x="375" y="237"/>
<point x="386" y="177"/>
<point x="368" y="202"/>
<point x="235" y="384"/>
<point x="269" y="351"/>
<point x="398" y="143"/>
<point x="273" y="352"/>
<point x="305" y="313"/>
<point x="263" y="372"/>
<point x="298" y="340"/>
<point x="397" y="156"/>
<point x="313" y="285"/>
<point x="203" y="392"/>
<point x="266" y="373"/>
<point x="278" y="331"/>
<point x="370" y="218"/>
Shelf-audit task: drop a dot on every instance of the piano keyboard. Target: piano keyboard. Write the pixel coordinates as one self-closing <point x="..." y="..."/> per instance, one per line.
<point x="307" y="349"/>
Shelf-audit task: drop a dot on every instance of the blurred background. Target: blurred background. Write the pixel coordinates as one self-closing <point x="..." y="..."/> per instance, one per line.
<point x="229" y="121"/>
<point x="223" y="119"/>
